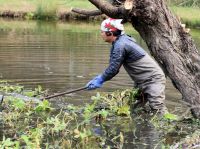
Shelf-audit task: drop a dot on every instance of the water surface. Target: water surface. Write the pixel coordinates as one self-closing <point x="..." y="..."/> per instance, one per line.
<point x="64" y="56"/>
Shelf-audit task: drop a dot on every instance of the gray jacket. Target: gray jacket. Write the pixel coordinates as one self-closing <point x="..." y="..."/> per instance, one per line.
<point x="126" y="52"/>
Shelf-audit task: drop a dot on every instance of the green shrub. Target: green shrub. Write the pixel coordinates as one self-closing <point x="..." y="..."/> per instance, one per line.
<point x="46" y="9"/>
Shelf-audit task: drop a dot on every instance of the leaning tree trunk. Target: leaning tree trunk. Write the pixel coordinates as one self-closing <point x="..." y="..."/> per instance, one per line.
<point x="172" y="46"/>
<point x="167" y="40"/>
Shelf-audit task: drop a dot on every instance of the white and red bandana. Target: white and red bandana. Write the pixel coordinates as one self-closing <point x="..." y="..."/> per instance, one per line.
<point x="112" y="25"/>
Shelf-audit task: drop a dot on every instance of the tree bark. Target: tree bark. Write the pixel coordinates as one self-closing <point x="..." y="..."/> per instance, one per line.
<point x="173" y="48"/>
<point x="168" y="41"/>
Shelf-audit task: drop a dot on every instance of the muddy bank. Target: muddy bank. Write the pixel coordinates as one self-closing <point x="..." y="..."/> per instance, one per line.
<point x="67" y="15"/>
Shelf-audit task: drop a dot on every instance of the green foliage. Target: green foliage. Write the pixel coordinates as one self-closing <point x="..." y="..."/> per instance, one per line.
<point x="170" y="116"/>
<point x="26" y="139"/>
<point x="29" y="93"/>
<point x="7" y="143"/>
<point x="5" y="87"/>
<point x="39" y="125"/>
<point x="29" y="16"/>
<point x="43" y="106"/>
<point x="32" y="138"/>
<point x="124" y="110"/>
<point x="58" y="124"/>
<point x="188" y="16"/>
<point x="36" y="122"/>
<point x="185" y="3"/>
<point x="46" y="9"/>
<point x="82" y="134"/>
<point x="190" y="3"/>
<point x="103" y="113"/>
<point x="36" y="92"/>
<point x="18" y="103"/>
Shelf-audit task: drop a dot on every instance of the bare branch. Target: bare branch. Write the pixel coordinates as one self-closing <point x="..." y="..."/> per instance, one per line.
<point x="109" y="9"/>
<point x="86" y="12"/>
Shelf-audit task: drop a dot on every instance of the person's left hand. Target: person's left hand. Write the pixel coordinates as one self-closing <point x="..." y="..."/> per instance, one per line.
<point x="96" y="82"/>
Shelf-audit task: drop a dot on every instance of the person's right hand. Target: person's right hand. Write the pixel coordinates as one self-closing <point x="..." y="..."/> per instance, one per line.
<point x="96" y="82"/>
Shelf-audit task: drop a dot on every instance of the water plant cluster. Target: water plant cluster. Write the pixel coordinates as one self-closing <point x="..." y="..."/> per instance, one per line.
<point x="106" y="122"/>
<point x="40" y="125"/>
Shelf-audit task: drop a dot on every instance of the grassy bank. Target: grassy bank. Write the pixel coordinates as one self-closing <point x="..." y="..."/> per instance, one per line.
<point x="32" y="5"/>
<point x="42" y="9"/>
<point x="189" y="16"/>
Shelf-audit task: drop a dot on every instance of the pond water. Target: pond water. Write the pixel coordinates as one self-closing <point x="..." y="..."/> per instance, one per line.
<point x="63" y="56"/>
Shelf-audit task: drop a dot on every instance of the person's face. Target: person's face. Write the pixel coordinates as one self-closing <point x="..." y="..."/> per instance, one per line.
<point x="106" y="38"/>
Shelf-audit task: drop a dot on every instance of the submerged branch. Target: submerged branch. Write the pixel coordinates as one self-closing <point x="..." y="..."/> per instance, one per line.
<point x="86" y="12"/>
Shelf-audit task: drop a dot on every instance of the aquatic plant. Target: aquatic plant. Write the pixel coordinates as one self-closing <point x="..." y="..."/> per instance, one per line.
<point x="9" y="144"/>
<point x="106" y="122"/>
<point x="64" y="125"/>
<point x="6" y="87"/>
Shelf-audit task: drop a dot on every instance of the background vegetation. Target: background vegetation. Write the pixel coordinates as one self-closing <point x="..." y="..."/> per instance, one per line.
<point x="184" y="3"/>
<point x="187" y="10"/>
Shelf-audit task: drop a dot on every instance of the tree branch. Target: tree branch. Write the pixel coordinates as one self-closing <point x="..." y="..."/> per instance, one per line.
<point x="86" y="12"/>
<point x="109" y="9"/>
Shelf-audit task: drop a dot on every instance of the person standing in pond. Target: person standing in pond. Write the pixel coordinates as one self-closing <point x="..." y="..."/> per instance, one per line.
<point x="143" y="70"/>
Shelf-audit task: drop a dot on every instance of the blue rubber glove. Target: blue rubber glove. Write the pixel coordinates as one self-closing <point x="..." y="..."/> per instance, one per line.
<point x="96" y="82"/>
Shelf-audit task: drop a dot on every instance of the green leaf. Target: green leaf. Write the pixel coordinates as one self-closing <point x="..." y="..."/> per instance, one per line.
<point x="9" y="144"/>
<point x="170" y="116"/>
<point x="71" y="107"/>
<point x="43" y="106"/>
<point x="27" y="140"/>
<point x="124" y="110"/>
<point x="29" y="93"/>
<point x="103" y="113"/>
<point x="19" y="103"/>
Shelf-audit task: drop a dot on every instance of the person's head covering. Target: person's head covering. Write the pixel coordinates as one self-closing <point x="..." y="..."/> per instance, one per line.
<point x="110" y="25"/>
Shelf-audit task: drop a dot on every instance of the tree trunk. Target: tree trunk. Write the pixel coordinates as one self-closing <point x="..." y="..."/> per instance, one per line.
<point x="169" y="43"/>
<point x="172" y="47"/>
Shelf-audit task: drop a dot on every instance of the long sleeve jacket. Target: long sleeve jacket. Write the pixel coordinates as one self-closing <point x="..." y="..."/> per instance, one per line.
<point x="124" y="50"/>
<point x="139" y="65"/>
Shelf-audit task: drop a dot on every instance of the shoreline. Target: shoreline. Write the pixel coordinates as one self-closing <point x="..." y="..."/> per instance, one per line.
<point x="63" y="16"/>
<point x="68" y="15"/>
